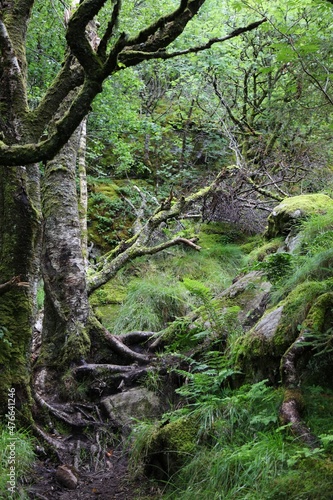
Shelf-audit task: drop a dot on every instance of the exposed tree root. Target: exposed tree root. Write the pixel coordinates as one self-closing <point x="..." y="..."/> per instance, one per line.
<point x="55" y="443"/>
<point x="93" y="367"/>
<point x="290" y="414"/>
<point x="116" y="344"/>
<point x="135" y="337"/>
<point x="119" y="373"/>
<point x="290" y="411"/>
<point x="62" y="415"/>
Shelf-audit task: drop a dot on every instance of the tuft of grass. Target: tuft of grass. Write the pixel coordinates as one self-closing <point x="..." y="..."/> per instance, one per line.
<point x="16" y="450"/>
<point x="151" y="303"/>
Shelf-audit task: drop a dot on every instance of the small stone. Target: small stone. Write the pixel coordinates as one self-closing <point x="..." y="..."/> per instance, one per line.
<point x="66" y="477"/>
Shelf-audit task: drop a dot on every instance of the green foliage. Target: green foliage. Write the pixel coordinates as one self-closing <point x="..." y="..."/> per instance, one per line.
<point x="150" y="304"/>
<point x="16" y="450"/>
<point x="43" y="54"/>
<point x="110" y="216"/>
<point x="313" y="257"/>
<point x="276" y="266"/>
<point x="40" y="296"/>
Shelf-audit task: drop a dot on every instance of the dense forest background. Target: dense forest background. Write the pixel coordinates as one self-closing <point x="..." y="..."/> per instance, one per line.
<point x="166" y="207"/>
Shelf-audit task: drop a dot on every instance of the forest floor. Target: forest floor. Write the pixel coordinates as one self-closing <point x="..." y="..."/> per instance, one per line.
<point x="114" y="482"/>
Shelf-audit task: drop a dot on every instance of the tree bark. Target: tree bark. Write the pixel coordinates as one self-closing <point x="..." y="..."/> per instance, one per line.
<point x="83" y="192"/>
<point x="66" y="310"/>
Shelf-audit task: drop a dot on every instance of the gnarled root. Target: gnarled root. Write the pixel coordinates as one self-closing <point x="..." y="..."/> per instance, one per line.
<point x="117" y="345"/>
<point x="290" y="414"/>
<point x="292" y="406"/>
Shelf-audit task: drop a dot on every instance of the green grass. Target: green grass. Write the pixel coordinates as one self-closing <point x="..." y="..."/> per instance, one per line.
<point x="16" y="450"/>
<point x="151" y="303"/>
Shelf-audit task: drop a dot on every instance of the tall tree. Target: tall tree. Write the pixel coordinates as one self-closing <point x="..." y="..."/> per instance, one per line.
<point x="39" y="133"/>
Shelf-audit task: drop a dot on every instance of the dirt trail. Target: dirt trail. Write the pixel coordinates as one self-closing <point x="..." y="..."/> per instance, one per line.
<point x="113" y="482"/>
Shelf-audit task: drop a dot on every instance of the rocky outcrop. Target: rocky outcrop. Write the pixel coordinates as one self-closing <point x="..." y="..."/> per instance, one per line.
<point x="291" y="211"/>
<point x="251" y="294"/>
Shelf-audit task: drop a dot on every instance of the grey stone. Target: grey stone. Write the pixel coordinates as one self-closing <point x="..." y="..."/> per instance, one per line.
<point x="269" y="323"/>
<point x="137" y="403"/>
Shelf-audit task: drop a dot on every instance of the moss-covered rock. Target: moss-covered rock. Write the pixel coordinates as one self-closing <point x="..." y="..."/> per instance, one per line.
<point x="172" y="445"/>
<point x="290" y="211"/>
<point x="250" y="293"/>
<point x="259" y="351"/>
<point x="137" y="403"/>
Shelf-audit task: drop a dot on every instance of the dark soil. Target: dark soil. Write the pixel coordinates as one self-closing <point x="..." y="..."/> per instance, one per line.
<point x="112" y="482"/>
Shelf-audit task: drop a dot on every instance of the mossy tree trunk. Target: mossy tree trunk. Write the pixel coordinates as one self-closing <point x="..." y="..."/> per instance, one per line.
<point x="19" y="246"/>
<point x="66" y="309"/>
<point x="19" y="214"/>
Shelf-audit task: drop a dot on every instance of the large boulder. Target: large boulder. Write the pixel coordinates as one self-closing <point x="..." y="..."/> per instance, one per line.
<point x="291" y="211"/>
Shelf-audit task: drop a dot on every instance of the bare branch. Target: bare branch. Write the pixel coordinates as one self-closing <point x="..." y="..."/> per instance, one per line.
<point x="14" y="282"/>
<point x="110" y="269"/>
<point x="127" y="55"/>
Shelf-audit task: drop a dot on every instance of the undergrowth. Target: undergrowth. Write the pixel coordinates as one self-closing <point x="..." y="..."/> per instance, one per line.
<point x="222" y="439"/>
<point x="16" y="457"/>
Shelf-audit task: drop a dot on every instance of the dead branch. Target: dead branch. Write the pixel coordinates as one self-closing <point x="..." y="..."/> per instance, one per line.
<point x="133" y="56"/>
<point x="137" y="246"/>
<point x="14" y="282"/>
<point x="137" y="249"/>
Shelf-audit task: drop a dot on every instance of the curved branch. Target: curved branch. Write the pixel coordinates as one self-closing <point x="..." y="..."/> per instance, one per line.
<point x="101" y="51"/>
<point x="44" y="150"/>
<point x="77" y="39"/>
<point x="110" y="269"/>
<point x="69" y="78"/>
<point x="134" y="55"/>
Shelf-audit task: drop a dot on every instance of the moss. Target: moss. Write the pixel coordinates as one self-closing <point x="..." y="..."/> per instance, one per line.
<point x="296" y="308"/>
<point x="294" y="395"/>
<point x="319" y="317"/>
<point x="110" y="293"/>
<point x="258" y="354"/>
<point x="261" y="252"/>
<point x="14" y="348"/>
<point x="252" y="243"/>
<point x="292" y="210"/>
<point x="77" y="345"/>
<point x="110" y="215"/>
<point x="310" y="479"/>
<point x="173" y="444"/>
<point x="107" y="314"/>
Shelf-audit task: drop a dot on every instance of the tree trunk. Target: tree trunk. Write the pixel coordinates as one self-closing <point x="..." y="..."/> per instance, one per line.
<point x="66" y="310"/>
<point x="83" y="201"/>
<point x="19" y="245"/>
